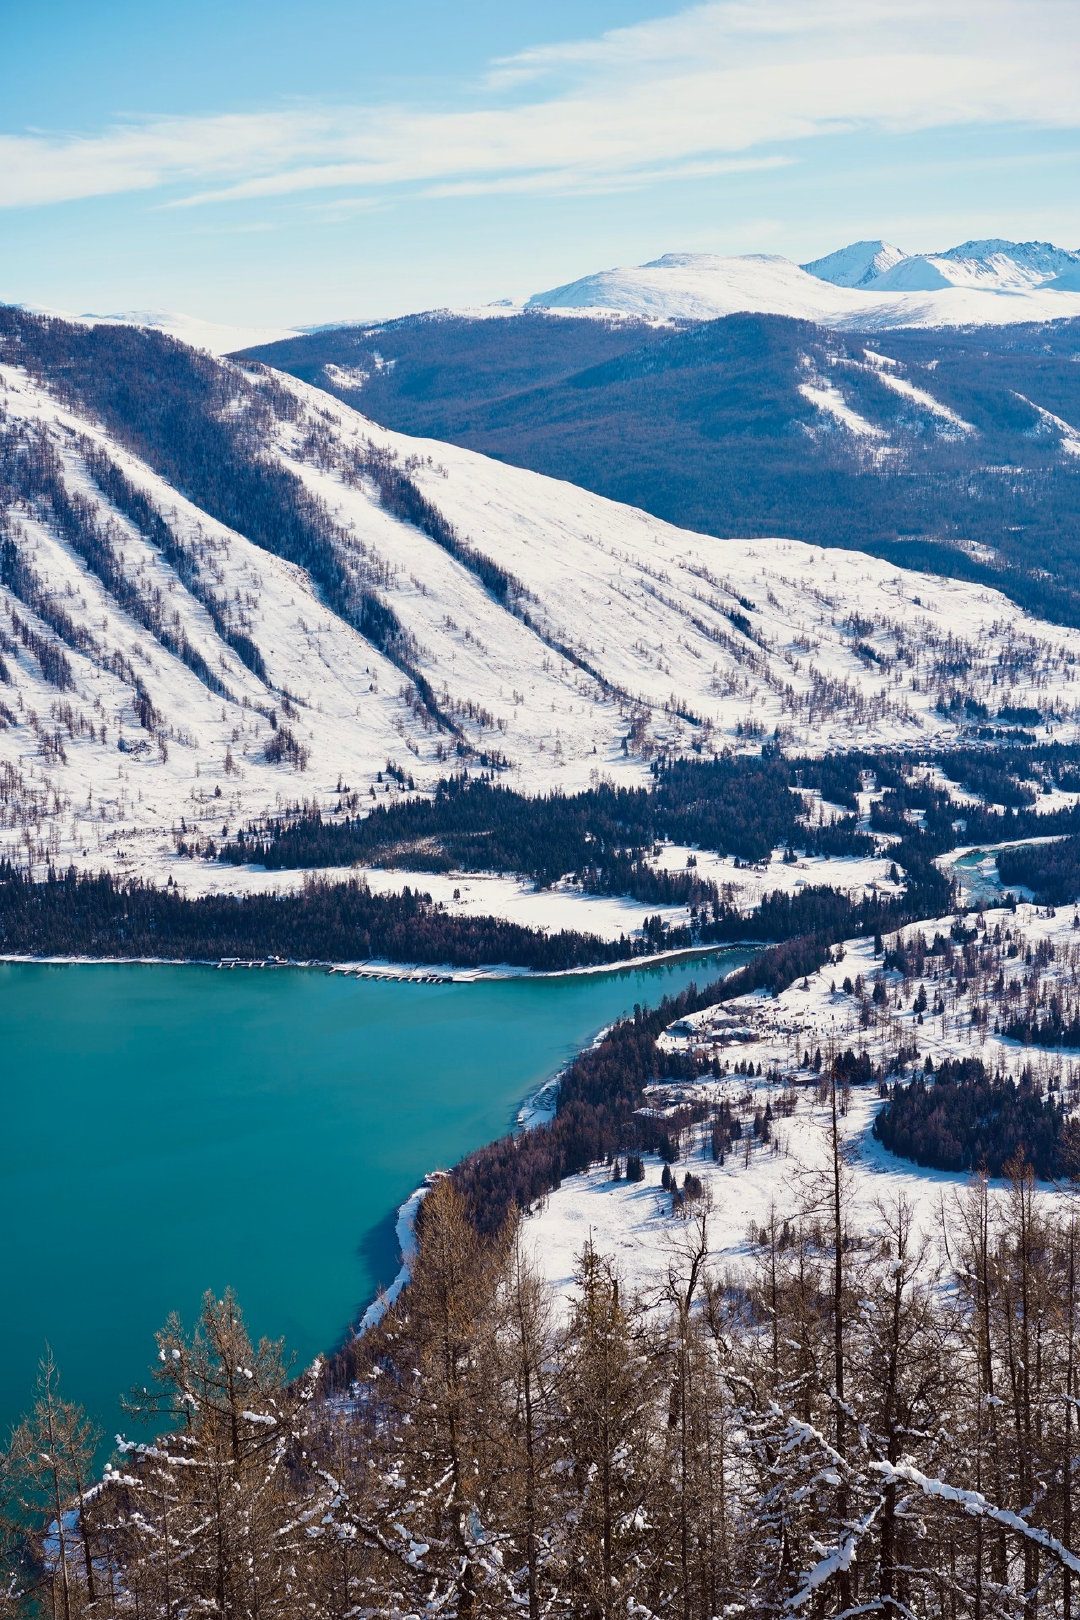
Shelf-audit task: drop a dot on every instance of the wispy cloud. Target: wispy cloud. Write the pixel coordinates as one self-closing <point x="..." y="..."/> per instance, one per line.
<point x="685" y="95"/>
<point x="562" y="182"/>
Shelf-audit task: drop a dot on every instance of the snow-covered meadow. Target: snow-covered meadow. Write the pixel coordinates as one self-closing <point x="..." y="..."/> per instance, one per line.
<point x="635" y="1222"/>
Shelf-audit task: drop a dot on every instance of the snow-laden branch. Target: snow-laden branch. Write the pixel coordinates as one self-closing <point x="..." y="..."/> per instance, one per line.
<point x="799" y="1432"/>
<point x="836" y="1559"/>
<point x="975" y="1503"/>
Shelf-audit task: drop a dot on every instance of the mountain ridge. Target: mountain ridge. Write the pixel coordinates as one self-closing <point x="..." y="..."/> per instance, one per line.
<point x="871" y="286"/>
<point x="856" y="265"/>
<point x="954" y="451"/>
<point x="222" y="592"/>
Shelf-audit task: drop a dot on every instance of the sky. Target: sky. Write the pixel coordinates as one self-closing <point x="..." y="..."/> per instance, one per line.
<point x="287" y="164"/>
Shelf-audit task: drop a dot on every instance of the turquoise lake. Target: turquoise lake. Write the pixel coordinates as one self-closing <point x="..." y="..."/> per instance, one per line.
<point x="173" y="1129"/>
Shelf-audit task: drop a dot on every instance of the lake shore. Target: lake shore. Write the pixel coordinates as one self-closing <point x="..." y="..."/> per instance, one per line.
<point x="391" y="972"/>
<point x="205" y="1129"/>
<point x="536" y="1110"/>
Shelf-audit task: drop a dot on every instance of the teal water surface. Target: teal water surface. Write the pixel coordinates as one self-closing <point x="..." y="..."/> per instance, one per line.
<point x="173" y="1129"/>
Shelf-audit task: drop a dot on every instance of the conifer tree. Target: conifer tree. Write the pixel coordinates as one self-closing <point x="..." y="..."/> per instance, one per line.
<point x="47" y="1477"/>
<point x="608" y="1389"/>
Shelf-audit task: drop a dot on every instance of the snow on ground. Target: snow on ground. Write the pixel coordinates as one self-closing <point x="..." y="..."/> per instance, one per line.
<point x="919" y="396"/>
<point x="1069" y="438"/>
<point x="745" y="884"/>
<point x="1048" y="800"/>
<point x="1051" y="800"/>
<point x="936" y="777"/>
<point x="216" y="337"/>
<point x="491" y="894"/>
<point x="635" y="1223"/>
<point x="775" y="1031"/>
<point x="826" y="397"/>
<point x="111" y="789"/>
<point x="748" y="635"/>
<point x="487" y="894"/>
<point x="463" y="894"/>
<point x="641" y="639"/>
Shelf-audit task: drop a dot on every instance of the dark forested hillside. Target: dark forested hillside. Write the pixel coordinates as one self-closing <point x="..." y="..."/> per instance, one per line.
<point x="443" y="368"/>
<point x="711" y="428"/>
<point x="963" y="1118"/>
<point x="1050" y="871"/>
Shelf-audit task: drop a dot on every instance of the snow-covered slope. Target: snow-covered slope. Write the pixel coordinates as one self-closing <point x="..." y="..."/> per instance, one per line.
<point x="994" y="272"/>
<point x="843" y="290"/>
<point x="126" y="710"/>
<point x="695" y="286"/>
<point x="1012" y="264"/>
<point x="991" y="265"/>
<point x="216" y="337"/>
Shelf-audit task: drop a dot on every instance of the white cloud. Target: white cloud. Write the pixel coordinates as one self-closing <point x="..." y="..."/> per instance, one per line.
<point x="563" y="183"/>
<point x="675" y="96"/>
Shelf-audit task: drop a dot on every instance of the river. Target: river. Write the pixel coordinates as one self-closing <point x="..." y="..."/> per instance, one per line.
<point x="173" y="1129"/>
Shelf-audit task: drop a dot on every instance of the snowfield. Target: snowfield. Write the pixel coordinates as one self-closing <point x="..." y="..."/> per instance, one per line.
<point x="632" y="638"/>
<point x="633" y="1222"/>
<point x="462" y="894"/>
<point x="745" y="885"/>
<point x="563" y="906"/>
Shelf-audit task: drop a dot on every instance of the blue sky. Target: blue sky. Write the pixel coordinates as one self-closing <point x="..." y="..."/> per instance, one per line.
<point x="248" y="160"/>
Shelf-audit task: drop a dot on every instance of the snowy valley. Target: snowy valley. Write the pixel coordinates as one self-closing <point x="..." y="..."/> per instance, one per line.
<point x="752" y="1131"/>
<point x="313" y="690"/>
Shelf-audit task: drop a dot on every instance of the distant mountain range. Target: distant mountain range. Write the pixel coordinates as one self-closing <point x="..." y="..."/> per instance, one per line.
<point x="867" y="286"/>
<point x="953" y="450"/>
<point x="991" y="265"/>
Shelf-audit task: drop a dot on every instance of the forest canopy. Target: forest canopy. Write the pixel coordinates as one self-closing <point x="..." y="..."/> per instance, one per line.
<point x="964" y="1118"/>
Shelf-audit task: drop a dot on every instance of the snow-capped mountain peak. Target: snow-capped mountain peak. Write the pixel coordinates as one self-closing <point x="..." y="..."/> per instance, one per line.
<point x="866" y="286"/>
<point x="1041" y="259"/>
<point x="992" y="265"/>
<point x="988" y="264"/>
<point x="856" y="265"/>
